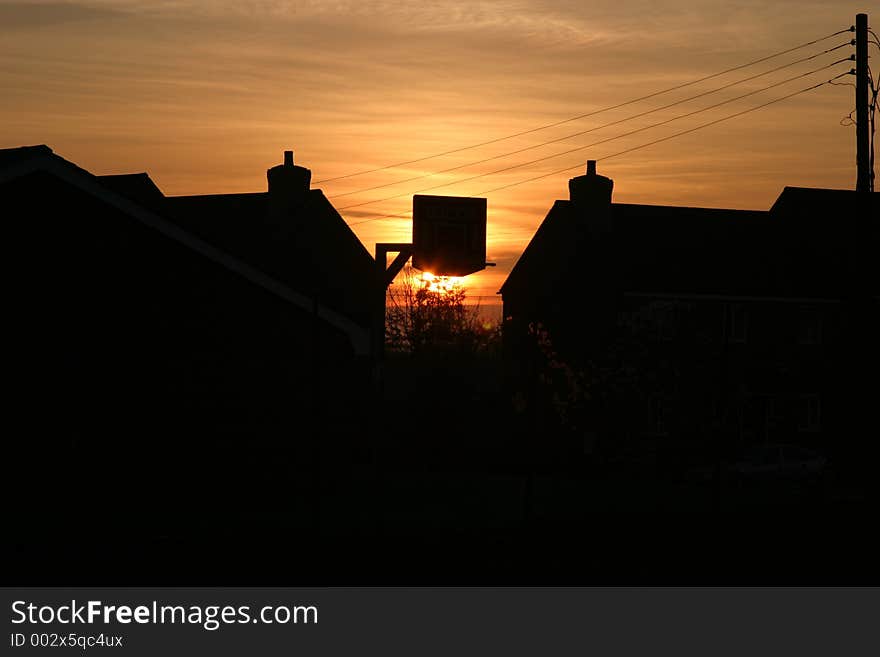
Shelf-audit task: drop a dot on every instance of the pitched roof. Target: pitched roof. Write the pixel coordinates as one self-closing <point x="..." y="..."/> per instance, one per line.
<point x="829" y="239"/>
<point x="828" y="202"/>
<point x="10" y="156"/>
<point x="651" y="247"/>
<point x="812" y="243"/>
<point x="308" y="246"/>
<point x="136" y="186"/>
<point x="18" y="162"/>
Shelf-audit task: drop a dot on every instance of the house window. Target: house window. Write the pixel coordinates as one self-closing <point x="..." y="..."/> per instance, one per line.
<point x="810" y="413"/>
<point x="771" y="418"/>
<point x="658" y="318"/>
<point x="626" y="321"/>
<point x="735" y="322"/>
<point x="664" y="320"/>
<point x="809" y="328"/>
<point x="658" y="419"/>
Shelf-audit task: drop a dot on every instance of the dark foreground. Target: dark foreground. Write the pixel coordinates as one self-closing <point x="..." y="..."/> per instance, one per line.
<point x="452" y="489"/>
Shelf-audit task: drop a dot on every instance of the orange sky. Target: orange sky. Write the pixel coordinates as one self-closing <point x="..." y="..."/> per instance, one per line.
<point x="205" y="94"/>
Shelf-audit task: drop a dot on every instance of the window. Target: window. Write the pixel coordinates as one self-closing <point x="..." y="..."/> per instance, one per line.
<point x="809" y="330"/>
<point x="762" y="456"/>
<point x="660" y="318"/>
<point x="772" y="419"/>
<point x="810" y="413"/>
<point x="626" y="320"/>
<point x="735" y="322"/>
<point x="658" y="421"/>
<point x="664" y="321"/>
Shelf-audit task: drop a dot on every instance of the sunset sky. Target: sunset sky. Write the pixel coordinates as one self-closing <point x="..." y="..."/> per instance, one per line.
<point x="205" y="94"/>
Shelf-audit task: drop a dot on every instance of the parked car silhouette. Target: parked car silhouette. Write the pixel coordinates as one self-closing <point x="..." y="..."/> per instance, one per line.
<point x="775" y="461"/>
<point x="764" y="462"/>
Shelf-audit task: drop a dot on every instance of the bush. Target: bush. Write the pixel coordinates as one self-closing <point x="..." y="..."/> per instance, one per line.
<point x="422" y="319"/>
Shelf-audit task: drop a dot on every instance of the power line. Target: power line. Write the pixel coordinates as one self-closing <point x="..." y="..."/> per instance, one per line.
<point x="400" y="215"/>
<point x="677" y="134"/>
<point x="592" y="113"/>
<point x="596" y="143"/>
<point x="634" y="148"/>
<point x="596" y="128"/>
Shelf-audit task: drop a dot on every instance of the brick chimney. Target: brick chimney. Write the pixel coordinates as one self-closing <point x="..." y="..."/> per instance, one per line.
<point x="590" y="194"/>
<point x="288" y="183"/>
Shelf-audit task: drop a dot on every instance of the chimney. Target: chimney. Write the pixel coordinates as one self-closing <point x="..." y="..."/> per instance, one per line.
<point x="591" y="196"/>
<point x="288" y="182"/>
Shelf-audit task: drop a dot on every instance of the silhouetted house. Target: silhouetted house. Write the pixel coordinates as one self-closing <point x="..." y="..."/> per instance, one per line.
<point x="644" y="324"/>
<point x="140" y="320"/>
<point x="293" y="232"/>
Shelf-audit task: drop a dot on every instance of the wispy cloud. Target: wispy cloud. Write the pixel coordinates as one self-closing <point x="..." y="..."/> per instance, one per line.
<point x="204" y="94"/>
<point x="31" y="15"/>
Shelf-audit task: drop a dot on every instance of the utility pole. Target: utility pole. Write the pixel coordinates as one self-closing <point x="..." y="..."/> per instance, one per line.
<point x="863" y="161"/>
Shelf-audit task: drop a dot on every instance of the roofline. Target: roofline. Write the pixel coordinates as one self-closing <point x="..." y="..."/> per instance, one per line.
<point x="265" y="193"/>
<point x="202" y="196"/>
<point x="789" y="189"/>
<point x="314" y="194"/>
<point x="567" y="201"/>
<point x="822" y="189"/>
<point x="699" y="208"/>
<point x="729" y="297"/>
<point x="69" y="172"/>
<point x="121" y="175"/>
<point x="691" y="208"/>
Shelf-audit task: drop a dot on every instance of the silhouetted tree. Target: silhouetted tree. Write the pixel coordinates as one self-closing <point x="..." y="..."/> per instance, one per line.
<point x="421" y="318"/>
<point x="441" y="363"/>
<point x="645" y="379"/>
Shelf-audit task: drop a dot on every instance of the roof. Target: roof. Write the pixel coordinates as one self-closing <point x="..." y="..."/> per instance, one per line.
<point x="11" y="156"/>
<point x="308" y="246"/>
<point x="828" y="201"/>
<point x="136" y="186"/>
<point x="18" y="162"/>
<point x="812" y="243"/>
<point x="645" y="240"/>
<point x="828" y="239"/>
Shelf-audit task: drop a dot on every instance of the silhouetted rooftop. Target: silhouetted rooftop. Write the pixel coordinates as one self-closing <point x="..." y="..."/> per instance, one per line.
<point x="826" y="235"/>
<point x="136" y="186"/>
<point x="656" y="248"/>
<point x="233" y="230"/>
<point x="10" y="156"/>
<point x="804" y="245"/>
<point x="309" y="246"/>
<point x="836" y="200"/>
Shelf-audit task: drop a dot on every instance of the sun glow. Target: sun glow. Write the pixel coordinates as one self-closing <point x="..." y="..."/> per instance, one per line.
<point x="441" y="284"/>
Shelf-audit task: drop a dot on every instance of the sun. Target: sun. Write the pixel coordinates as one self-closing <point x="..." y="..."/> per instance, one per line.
<point x="441" y="284"/>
